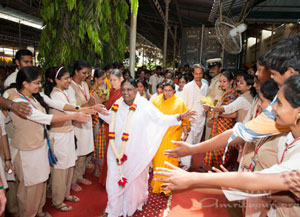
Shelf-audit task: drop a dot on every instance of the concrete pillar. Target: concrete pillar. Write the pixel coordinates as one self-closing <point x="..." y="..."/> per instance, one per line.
<point x="132" y="44"/>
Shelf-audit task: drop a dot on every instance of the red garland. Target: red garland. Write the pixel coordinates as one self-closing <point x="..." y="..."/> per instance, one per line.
<point x="122" y="182"/>
<point x="123" y="159"/>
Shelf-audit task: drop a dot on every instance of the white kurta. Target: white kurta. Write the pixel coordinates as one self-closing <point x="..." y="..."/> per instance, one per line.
<point x="191" y="96"/>
<point x="83" y="131"/>
<point x="147" y="128"/>
<point x="63" y="143"/>
<point x="35" y="164"/>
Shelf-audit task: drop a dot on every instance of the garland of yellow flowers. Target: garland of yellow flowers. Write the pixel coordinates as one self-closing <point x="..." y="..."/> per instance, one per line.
<point x="121" y="157"/>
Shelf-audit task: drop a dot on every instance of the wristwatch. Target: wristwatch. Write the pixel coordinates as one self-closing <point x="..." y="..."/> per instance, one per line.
<point x="77" y="108"/>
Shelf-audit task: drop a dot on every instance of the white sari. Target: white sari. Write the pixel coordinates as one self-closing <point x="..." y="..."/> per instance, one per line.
<point x="147" y="128"/>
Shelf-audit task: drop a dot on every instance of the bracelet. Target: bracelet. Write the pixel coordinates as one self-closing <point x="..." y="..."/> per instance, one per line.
<point x="1" y="187"/>
<point x="10" y="105"/>
<point x="178" y="118"/>
<point x="7" y="159"/>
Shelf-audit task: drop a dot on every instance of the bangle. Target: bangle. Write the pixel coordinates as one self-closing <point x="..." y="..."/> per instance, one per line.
<point x="1" y="187"/>
<point x="178" y="117"/>
<point x="7" y="159"/>
<point x="10" y="105"/>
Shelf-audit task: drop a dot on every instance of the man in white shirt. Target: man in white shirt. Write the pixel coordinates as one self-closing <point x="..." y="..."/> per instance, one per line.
<point x="155" y="79"/>
<point x="23" y="58"/>
<point x="192" y="93"/>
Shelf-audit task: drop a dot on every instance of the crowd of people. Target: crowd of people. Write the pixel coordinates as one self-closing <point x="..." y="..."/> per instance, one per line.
<point x="242" y="125"/>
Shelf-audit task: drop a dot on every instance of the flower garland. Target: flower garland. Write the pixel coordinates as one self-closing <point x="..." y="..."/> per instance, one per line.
<point x="121" y="157"/>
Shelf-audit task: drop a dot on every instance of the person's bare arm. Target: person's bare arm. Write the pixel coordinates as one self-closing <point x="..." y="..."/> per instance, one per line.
<point x="178" y="179"/>
<point x="7" y="155"/>
<point x="2" y="198"/>
<point x="184" y="149"/>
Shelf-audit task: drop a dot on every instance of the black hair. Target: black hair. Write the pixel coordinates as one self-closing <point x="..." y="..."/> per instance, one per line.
<point x="158" y="67"/>
<point x="98" y="73"/>
<point x="117" y="73"/>
<point x="126" y="71"/>
<point x="107" y="67"/>
<point x="184" y="77"/>
<point x="159" y="85"/>
<point x="143" y="82"/>
<point x="284" y="55"/>
<point x="169" y="84"/>
<point x="79" y="65"/>
<point x="118" y="65"/>
<point x="262" y="58"/>
<point x="23" y="52"/>
<point x="131" y="81"/>
<point x="50" y="76"/>
<point x="291" y="90"/>
<point x="249" y="81"/>
<point x="229" y="75"/>
<point x="29" y="74"/>
<point x="269" y="89"/>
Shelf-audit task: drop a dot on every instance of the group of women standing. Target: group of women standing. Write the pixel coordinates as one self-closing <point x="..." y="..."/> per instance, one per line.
<point x="58" y="133"/>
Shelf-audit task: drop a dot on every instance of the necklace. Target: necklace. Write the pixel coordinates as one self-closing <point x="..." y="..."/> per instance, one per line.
<point x="121" y="157"/>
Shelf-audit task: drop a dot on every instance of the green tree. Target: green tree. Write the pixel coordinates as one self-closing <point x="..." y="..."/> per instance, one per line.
<point x="93" y="30"/>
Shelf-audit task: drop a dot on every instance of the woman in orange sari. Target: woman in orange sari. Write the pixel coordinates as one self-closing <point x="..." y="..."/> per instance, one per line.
<point x="170" y="104"/>
<point x="221" y="122"/>
<point x="115" y="93"/>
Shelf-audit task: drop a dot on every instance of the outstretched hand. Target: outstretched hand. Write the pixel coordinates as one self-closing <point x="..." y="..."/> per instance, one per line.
<point x="101" y="109"/>
<point x="81" y="117"/>
<point x="188" y="114"/>
<point x="90" y="110"/>
<point x="182" y="149"/>
<point x="22" y="109"/>
<point x="222" y="170"/>
<point x="176" y="178"/>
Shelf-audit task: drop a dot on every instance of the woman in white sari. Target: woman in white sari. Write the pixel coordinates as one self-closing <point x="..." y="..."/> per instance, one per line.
<point x="141" y="126"/>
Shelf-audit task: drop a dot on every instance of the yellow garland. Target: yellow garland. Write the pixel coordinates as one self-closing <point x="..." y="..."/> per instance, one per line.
<point x="112" y="128"/>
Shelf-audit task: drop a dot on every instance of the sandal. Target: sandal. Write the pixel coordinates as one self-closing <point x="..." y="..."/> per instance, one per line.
<point x="44" y="214"/>
<point x="84" y="181"/>
<point x="62" y="207"/>
<point x="72" y="198"/>
<point x="75" y="187"/>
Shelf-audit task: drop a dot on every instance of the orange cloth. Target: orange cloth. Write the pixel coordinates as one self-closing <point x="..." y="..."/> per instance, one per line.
<point x="173" y="105"/>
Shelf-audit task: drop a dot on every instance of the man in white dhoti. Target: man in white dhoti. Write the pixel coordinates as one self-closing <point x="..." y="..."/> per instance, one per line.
<point x="136" y="130"/>
<point x="192" y="93"/>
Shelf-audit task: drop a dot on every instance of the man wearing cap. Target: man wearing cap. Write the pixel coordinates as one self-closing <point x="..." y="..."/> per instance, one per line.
<point x="214" y="91"/>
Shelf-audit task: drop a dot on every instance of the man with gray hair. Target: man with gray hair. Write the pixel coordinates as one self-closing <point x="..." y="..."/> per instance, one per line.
<point x="192" y="93"/>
